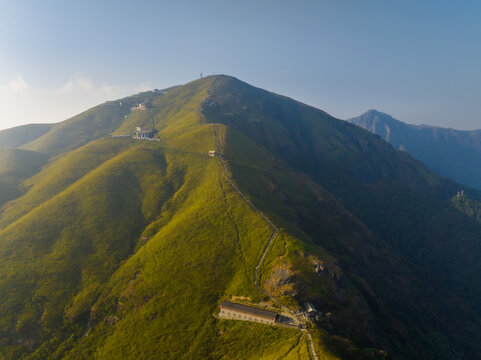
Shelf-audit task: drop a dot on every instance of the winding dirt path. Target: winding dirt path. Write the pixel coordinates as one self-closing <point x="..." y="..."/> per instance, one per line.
<point x="266" y="247"/>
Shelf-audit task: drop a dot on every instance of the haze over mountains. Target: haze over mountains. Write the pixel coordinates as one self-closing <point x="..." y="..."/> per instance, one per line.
<point x="455" y="154"/>
<point x="112" y="248"/>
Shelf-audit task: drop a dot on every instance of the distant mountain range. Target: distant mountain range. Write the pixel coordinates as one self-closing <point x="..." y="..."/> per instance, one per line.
<point x="114" y="247"/>
<point x="455" y="154"/>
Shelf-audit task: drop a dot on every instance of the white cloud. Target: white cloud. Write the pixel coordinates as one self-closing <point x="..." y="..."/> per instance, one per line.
<point x="82" y="84"/>
<point x="22" y="103"/>
<point x="76" y="83"/>
<point x="14" y="86"/>
<point x="143" y="87"/>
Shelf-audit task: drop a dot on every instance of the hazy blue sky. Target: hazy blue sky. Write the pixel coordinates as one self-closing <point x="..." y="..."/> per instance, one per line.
<point x="420" y="61"/>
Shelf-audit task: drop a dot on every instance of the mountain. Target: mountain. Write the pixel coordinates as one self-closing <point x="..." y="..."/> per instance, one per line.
<point x="92" y="124"/>
<point x="452" y="153"/>
<point x="15" y="166"/>
<point x="20" y="135"/>
<point x="118" y="248"/>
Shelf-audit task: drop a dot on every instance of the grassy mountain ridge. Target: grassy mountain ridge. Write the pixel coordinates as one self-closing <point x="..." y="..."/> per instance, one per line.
<point x="15" y="166"/>
<point x="19" y="164"/>
<point x="20" y="135"/>
<point x="56" y="177"/>
<point x="164" y="195"/>
<point x="90" y="125"/>
<point x="50" y="140"/>
<point x="362" y="298"/>
<point x="402" y="202"/>
<point x="122" y="249"/>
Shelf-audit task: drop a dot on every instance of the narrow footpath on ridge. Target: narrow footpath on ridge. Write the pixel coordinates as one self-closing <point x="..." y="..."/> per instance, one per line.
<point x="266" y="247"/>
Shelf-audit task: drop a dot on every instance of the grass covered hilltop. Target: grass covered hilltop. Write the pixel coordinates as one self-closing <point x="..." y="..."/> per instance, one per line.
<point x="114" y="248"/>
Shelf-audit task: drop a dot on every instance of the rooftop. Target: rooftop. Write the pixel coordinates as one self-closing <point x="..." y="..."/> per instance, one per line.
<point x="248" y="310"/>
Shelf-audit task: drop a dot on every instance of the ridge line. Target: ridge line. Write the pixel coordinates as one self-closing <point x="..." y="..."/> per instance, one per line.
<point x="266" y="247"/>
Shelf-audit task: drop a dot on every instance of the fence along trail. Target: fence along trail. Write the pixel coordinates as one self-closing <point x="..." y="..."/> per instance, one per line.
<point x="266" y="247"/>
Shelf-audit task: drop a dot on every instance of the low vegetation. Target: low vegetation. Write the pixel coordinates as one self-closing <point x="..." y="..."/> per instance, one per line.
<point x="119" y="249"/>
<point x="20" y="135"/>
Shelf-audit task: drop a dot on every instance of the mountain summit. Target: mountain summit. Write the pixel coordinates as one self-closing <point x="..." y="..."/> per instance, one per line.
<point x="452" y="153"/>
<point x="122" y="245"/>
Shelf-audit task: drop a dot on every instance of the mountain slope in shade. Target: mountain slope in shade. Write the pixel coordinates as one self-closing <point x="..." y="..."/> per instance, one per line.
<point x="20" y="135"/>
<point x="17" y="165"/>
<point x="121" y="249"/>
<point x="452" y="153"/>
<point x="403" y="203"/>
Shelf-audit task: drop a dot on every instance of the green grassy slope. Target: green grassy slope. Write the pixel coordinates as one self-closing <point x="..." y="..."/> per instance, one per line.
<point x="19" y="164"/>
<point x="50" y="140"/>
<point x="77" y="131"/>
<point x="20" y="135"/>
<point x="370" y="288"/>
<point x="16" y="165"/>
<point x="121" y="249"/>
<point x="92" y="124"/>
<point x="197" y="255"/>
<point x="49" y="252"/>
<point x="8" y="191"/>
<point x="139" y="242"/>
<point x="57" y="176"/>
<point x="405" y="205"/>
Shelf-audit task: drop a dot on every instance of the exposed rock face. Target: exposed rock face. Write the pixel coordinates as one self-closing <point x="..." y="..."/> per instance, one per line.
<point x="452" y="153"/>
<point x="281" y="276"/>
<point x="281" y="281"/>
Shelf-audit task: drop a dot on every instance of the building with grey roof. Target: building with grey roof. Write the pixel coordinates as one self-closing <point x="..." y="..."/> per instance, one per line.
<point x="247" y="313"/>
